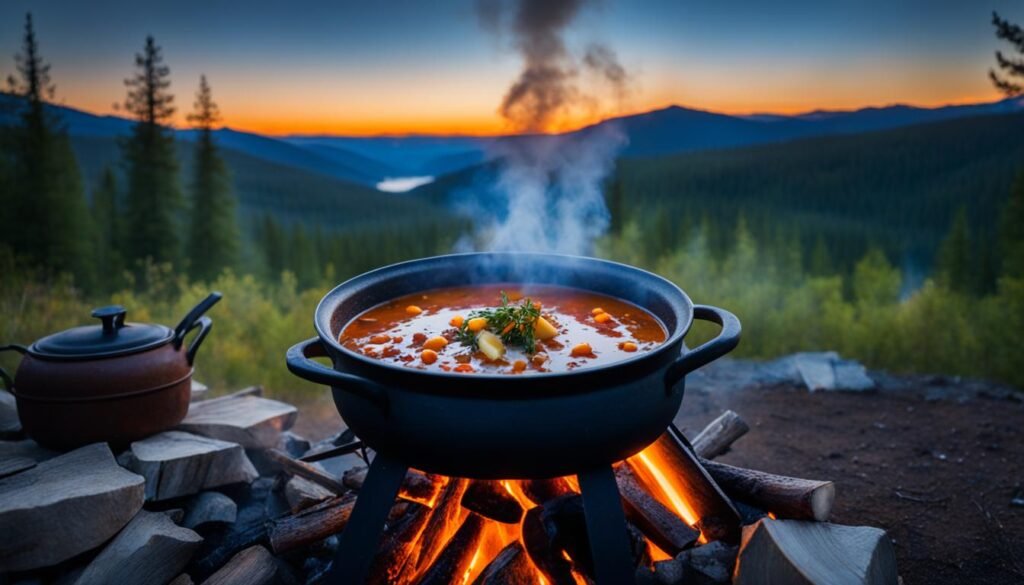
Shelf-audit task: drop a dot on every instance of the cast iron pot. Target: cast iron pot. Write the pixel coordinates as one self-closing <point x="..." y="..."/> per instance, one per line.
<point x="115" y="382"/>
<point x="502" y="426"/>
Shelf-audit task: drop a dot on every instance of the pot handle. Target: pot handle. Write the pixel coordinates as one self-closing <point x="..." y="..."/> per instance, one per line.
<point x="190" y="321"/>
<point x="728" y="338"/>
<point x="8" y="381"/>
<point x="204" y="324"/>
<point x="307" y="369"/>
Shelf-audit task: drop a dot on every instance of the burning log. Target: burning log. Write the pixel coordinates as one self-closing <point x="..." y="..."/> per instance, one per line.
<point x="670" y="468"/>
<point x="557" y="527"/>
<point x="719" y="435"/>
<point x="397" y="544"/>
<point x="511" y="567"/>
<point x="541" y="491"/>
<point x="455" y="558"/>
<point x="786" y="497"/>
<point x="657" y="522"/>
<point x="491" y="500"/>
<point x="305" y="470"/>
<point x="447" y="514"/>
<point x="416" y="487"/>
<point x="312" y="524"/>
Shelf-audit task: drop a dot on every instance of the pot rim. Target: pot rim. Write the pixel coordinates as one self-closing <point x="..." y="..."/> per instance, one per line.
<point x="651" y="358"/>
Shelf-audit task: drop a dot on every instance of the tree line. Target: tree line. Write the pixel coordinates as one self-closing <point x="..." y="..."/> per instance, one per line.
<point x="52" y="228"/>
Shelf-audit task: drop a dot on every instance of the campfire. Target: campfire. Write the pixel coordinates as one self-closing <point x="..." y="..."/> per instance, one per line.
<point x="675" y="499"/>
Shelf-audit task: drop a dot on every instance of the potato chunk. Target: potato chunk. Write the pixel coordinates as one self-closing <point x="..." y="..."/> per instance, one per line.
<point x="490" y="344"/>
<point x="543" y="329"/>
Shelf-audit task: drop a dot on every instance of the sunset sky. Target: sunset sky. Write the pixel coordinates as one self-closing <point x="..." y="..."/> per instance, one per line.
<point x="347" y="67"/>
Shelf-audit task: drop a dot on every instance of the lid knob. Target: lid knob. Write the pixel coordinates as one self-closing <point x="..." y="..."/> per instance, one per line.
<point x="112" y="318"/>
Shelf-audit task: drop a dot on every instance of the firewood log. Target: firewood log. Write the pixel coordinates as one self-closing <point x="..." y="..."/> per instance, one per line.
<point x="553" y="528"/>
<point x="398" y="542"/>
<point x="719" y="435"/>
<point x="454" y="559"/>
<point x="665" y="529"/>
<point x="541" y="491"/>
<point x="312" y="524"/>
<point x="510" y="567"/>
<point x="307" y="471"/>
<point x="416" y="487"/>
<point x="786" y="497"/>
<point x="447" y="513"/>
<point x="491" y="500"/>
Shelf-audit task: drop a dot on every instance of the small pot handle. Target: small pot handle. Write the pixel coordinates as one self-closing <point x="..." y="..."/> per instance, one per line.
<point x="728" y="338"/>
<point x="190" y="320"/>
<point x="8" y="381"/>
<point x="204" y="324"/>
<point x="307" y="369"/>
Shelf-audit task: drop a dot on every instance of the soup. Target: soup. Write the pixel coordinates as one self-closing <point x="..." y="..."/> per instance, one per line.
<point x="503" y="329"/>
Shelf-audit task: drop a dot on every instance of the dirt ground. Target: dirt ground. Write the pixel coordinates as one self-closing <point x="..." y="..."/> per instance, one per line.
<point x="934" y="462"/>
<point x="937" y="473"/>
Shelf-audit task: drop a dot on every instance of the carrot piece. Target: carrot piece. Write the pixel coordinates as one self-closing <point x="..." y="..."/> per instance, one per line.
<point x="582" y="350"/>
<point x="435" y="343"/>
<point x="413" y="310"/>
<point x="476" y="324"/>
<point x="518" y="366"/>
<point x="602" y="317"/>
<point x="508" y="328"/>
<point x="379" y="339"/>
<point x="463" y="368"/>
<point x="397" y="339"/>
<point x="456" y="321"/>
<point x="597" y="311"/>
<point x="428" y="356"/>
<point x="628" y="346"/>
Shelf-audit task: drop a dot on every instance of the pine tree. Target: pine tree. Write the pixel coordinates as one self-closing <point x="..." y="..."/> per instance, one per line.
<point x="48" y="223"/>
<point x="213" y="236"/>
<point x="1013" y="66"/>
<point x="1011" y="233"/>
<point x="153" y="196"/>
<point x="954" y="263"/>
<point x="106" y="216"/>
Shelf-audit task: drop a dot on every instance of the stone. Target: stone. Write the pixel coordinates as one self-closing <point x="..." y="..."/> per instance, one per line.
<point x="10" y="424"/>
<point x="182" y="579"/>
<point x="302" y="493"/>
<point x="815" y="369"/>
<point x="178" y="464"/>
<point x="250" y="421"/>
<point x="710" y="564"/>
<point x="804" y="553"/>
<point x="199" y="391"/>
<point x="210" y="507"/>
<point x="152" y="549"/>
<point x="26" y="448"/>
<point x="252" y="566"/>
<point x="852" y="377"/>
<point x="65" y="506"/>
<point x="12" y="465"/>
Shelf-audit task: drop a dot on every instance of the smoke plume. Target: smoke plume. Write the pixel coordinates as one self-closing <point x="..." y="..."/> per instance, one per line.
<point x="546" y="193"/>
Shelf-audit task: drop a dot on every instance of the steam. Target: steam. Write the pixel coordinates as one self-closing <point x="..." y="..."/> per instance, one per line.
<point x="546" y="193"/>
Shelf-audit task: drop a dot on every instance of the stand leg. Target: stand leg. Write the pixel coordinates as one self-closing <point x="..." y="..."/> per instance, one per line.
<point x="606" y="527"/>
<point x="358" y="541"/>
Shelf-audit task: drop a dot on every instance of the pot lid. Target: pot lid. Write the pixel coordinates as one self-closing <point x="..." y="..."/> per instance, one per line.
<point x="112" y="337"/>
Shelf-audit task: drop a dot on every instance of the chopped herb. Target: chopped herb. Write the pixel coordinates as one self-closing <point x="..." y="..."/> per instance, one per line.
<point x="512" y="323"/>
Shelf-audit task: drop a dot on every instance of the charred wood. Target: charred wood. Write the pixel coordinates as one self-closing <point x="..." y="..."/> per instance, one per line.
<point x="541" y="491"/>
<point x="510" y="567"/>
<point x="491" y="500"/>
<point x="397" y="544"/>
<point x="447" y="514"/>
<point x="665" y="529"/>
<point x="455" y="557"/>
<point x="312" y="524"/>
<point x="416" y="487"/>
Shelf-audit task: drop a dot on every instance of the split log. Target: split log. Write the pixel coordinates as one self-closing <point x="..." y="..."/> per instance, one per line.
<point x="250" y="421"/>
<point x="210" y="507"/>
<point x="541" y="491"/>
<point x="302" y="493"/>
<point x="310" y="525"/>
<point x="455" y="557"/>
<point x="669" y="460"/>
<point x="786" y="497"/>
<point x="13" y="465"/>
<point x="491" y="500"/>
<point x="307" y="471"/>
<point x="178" y="464"/>
<point x="799" y="552"/>
<point x="26" y="448"/>
<point x="257" y="503"/>
<point x="447" y="513"/>
<point x="417" y="486"/>
<point x="65" y="506"/>
<point x="253" y="566"/>
<point x="511" y="567"/>
<point x="719" y="435"/>
<point x="397" y="545"/>
<point x="151" y="549"/>
<point x="657" y="522"/>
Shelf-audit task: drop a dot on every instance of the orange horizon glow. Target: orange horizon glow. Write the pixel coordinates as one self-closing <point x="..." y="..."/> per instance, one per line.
<point x="304" y="121"/>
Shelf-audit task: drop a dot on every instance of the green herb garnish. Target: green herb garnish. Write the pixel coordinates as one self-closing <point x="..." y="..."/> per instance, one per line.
<point x="512" y="323"/>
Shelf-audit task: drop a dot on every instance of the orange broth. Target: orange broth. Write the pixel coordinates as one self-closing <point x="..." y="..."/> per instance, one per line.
<point x="396" y="332"/>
